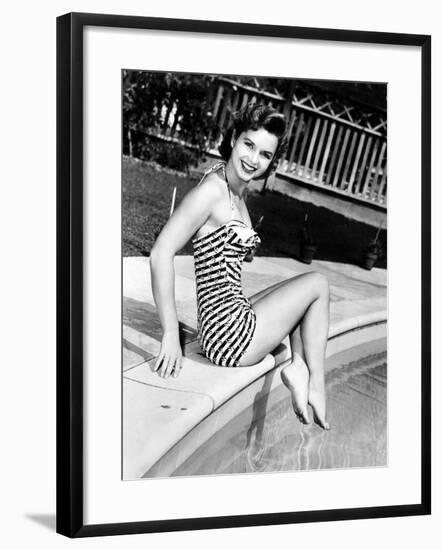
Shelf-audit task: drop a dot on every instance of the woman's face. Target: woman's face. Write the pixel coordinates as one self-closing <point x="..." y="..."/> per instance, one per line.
<point x="252" y="153"/>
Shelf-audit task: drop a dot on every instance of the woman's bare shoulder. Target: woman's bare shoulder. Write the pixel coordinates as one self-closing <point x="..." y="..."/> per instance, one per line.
<point x="204" y="197"/>
<point x="213" y="182"/>
<point x="199" y="205"/>
<point x="210" y="188"/>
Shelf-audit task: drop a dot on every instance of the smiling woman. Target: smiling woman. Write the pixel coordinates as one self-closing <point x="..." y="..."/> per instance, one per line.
<point x="233" y="332"/>
<point x="262" y="123"/>
<point x="252" y="155"/>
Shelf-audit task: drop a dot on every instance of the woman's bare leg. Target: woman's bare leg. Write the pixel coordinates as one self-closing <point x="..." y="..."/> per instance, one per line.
<point x="314" y="336"/>
<point x="296" y="375"/>
<point x="303" y="299"/>
<point x="265" y="291"/>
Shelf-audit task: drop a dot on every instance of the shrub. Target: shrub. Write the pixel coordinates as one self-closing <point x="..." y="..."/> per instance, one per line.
<point x="168" y="154"/>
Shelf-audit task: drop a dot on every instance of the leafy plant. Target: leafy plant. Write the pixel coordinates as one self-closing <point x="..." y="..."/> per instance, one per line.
<point x="166" y="153"/>
<point x="173" y="106"/>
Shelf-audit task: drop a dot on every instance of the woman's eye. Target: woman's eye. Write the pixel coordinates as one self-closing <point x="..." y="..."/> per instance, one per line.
<point x="248" y="144"/>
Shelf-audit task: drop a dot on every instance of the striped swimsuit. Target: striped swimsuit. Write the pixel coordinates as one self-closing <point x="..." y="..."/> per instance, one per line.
<point x="226" y="320"/>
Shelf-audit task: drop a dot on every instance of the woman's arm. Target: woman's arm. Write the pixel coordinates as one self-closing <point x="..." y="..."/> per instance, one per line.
<point x="190" y="215"/>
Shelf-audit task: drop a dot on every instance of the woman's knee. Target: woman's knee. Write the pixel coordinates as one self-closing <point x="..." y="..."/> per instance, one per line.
<point x="320" y="283"/>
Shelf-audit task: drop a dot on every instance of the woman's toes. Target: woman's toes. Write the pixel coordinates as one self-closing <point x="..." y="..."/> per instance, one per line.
<point x="320" y="420"/>
<point x="323" y="424"/>
<point x="317" y="401"/>
<point x="302" y="416"/>
<point x="296" y="377"/>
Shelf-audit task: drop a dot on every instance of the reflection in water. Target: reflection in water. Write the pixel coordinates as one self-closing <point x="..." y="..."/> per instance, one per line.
<point x="268" y="437"/>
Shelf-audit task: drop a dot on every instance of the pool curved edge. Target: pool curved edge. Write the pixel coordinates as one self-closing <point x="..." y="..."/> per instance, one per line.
<point x="171" y="445"/>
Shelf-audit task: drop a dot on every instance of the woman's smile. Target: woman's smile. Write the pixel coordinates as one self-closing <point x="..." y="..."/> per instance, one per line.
<point x="251" y="155"/>
<point x="248" y="168"/>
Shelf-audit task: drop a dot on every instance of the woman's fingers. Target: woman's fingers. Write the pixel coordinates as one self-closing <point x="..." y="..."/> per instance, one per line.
<point x="164" y="366"/>
<point x="158" y="361"/>
<point x="174" y="367"/>
<point x="178" y="366"/>
<point x="167" y="365"/>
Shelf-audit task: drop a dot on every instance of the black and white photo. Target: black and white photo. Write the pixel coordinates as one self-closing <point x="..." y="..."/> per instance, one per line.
<point x="255" y="216"/>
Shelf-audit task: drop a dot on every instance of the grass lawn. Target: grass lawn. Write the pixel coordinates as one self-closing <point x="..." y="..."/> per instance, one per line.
<point x="147" y="194"/>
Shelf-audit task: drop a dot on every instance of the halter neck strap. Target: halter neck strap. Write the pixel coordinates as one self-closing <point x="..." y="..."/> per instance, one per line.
<point x="232" y="208"/>
<point x="221" y="165"/>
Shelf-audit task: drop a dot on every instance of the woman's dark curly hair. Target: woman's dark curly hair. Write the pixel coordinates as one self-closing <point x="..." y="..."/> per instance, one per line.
<point x="254" y="117"/>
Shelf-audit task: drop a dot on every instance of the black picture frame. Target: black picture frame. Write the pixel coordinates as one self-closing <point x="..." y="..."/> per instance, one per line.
<point x="70" y="235"/>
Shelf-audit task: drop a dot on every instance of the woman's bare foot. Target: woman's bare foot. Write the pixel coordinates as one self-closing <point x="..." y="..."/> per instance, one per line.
<point x="296" y="377"/>
<point x="316" y="399"/>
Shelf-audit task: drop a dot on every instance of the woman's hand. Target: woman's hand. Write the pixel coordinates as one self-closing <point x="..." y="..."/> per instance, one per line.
<point x="169" y="360"/>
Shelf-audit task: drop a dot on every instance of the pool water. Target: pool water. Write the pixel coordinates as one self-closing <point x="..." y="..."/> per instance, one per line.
<point x="267" y="436"/>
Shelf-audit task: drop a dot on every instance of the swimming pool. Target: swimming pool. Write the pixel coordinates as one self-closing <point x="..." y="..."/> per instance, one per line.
<point x="266" y="436"/>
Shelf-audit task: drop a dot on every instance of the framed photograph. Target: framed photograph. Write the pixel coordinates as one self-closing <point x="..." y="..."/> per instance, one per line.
<point x="243" y="274"/>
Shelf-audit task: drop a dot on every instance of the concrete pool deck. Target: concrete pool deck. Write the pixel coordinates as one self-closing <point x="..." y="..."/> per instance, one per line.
<point x="157" y="412"/>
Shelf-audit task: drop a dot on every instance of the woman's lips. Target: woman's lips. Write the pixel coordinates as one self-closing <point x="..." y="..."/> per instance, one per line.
<point x="247" y="168"/>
